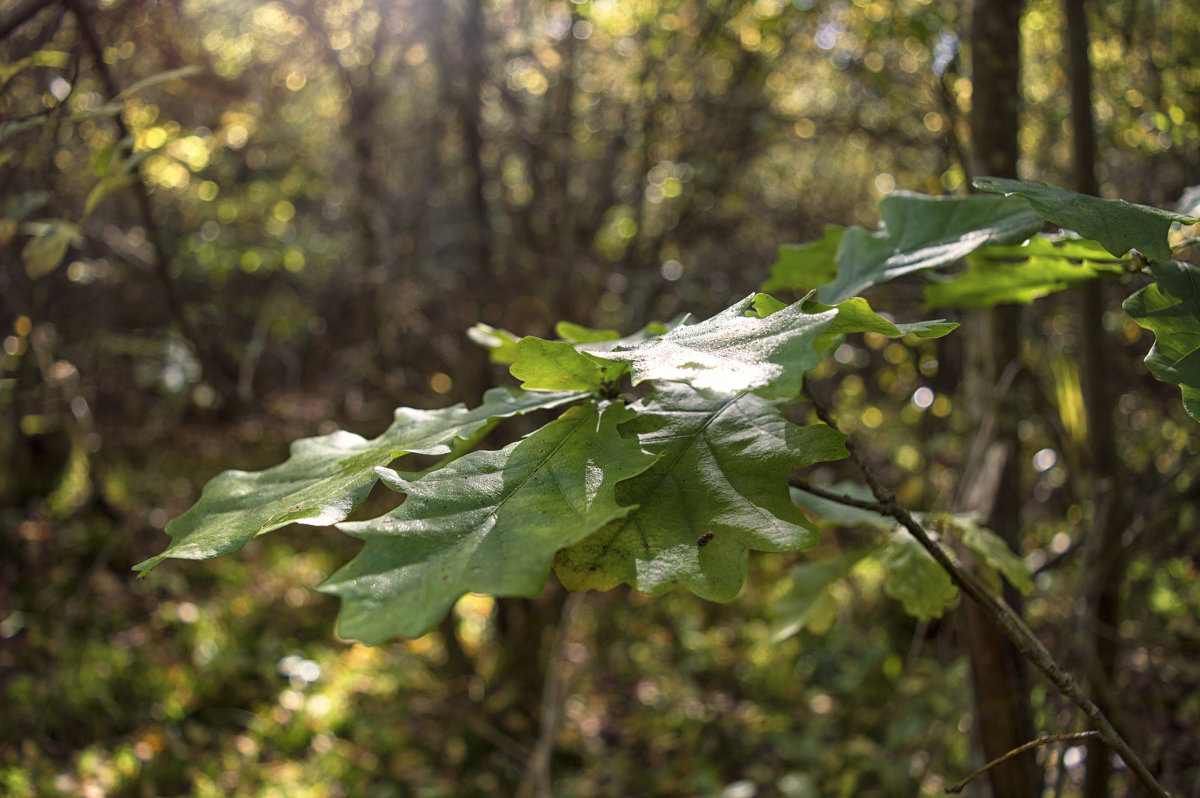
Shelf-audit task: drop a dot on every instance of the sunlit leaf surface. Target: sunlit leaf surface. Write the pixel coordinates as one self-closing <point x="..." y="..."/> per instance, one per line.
<point x="732" y="352"/>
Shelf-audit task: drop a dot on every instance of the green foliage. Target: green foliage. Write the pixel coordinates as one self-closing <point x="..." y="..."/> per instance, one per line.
<point x="1041" y="266"/>
<point x="914" y="577"/>
<point x="327" y="477"/>
<point x="807" y="266"/>
<point x="718" y="490"/>
<point x="559" y="365"/>
<point x="915" y="233"/>
<point x="491" y="522"/>
<point x="1170" y="308"/>
<point x="47" y="245"/>
<point x="807" y="603"/>
<point x="1119" y="226"/>
<point x="676" y="488"/>
<point x="831" y="513"/>
<point x="856" y="316"/>
<point x="737" y="350"/>
<point x="988" y="547"/>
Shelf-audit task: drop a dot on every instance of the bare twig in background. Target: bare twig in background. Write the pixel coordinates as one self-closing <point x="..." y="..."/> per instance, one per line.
<point x="214" y="370"/>
<point x="1038" y="743"/>
<point x="537" y="781"/>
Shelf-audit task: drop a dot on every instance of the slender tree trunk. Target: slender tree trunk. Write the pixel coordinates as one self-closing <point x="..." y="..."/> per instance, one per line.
<point x="1003" y="712"/>
<point x="470" y="116"/>
<point x="1105" y="568"/>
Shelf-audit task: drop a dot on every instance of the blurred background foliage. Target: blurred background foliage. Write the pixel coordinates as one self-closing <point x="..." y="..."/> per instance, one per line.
<point x="227" y="224"/>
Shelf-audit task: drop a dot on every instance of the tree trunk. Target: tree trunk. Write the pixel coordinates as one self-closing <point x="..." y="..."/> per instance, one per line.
<point x="1003" y="712"/>
<point x="1105" y="568"/>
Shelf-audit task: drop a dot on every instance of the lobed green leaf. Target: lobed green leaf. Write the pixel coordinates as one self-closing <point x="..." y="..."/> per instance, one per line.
<point x="1170" y="308"/>
<point x="989" y="547"/>
<point x="732" y="352"/>
<point x="718" y="490"/>
<point x="491" y="522"/>
<point x="326" y="477"/>
<point x="802" y="267"/>
<point x="856" y="316"/>
<point x="560" y="366"/>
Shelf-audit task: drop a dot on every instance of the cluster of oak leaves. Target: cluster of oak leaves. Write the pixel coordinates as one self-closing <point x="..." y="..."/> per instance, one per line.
<point x="676" y="487"/>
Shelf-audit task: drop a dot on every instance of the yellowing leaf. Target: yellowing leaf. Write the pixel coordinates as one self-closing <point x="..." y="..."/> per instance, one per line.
<point x="46" y="249"/>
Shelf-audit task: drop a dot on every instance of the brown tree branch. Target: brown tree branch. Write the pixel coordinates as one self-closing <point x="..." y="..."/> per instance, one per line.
<point x="999" y="613"/>
<point x="1038" y="743"/>
<point x="849" y="501"/>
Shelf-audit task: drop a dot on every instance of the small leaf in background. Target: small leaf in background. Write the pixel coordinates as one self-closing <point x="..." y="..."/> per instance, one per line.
<point x="989" y="547"/>
<point x="802" y="267"/>
<point x="806" y="602"/>
<point x="919" y="232"/>
<point x="999" y="275"/>
<point x="53" y="59"/>
<point x="764" y="305"/>
<point x="106" y="186"/>
<point x="1170" y="308"/>
<point x="501" y="344"/>
<point x="732" y="352"/>
<point x="46" y="249"/>
<point x="560" y="366"/>
<point x="1118" y="225"/>
<point x="915" y="579"/>
<point x="103" y="160"/>
<point x="325" y="478"/>
<point x="718" y="490"/>
<point x="856" y="316"/>
<point x="576" y="334"/>
<point x="491" y="522"/>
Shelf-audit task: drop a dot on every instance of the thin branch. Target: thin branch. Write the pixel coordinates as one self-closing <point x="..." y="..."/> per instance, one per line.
<point x="537" y="781"/>
<point x="1038" y="743"/>
<point x="999" y="613"/>
<point x="21" y="14"/>
<point x="849" y="501"/>
<point x="214" y="371"/>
